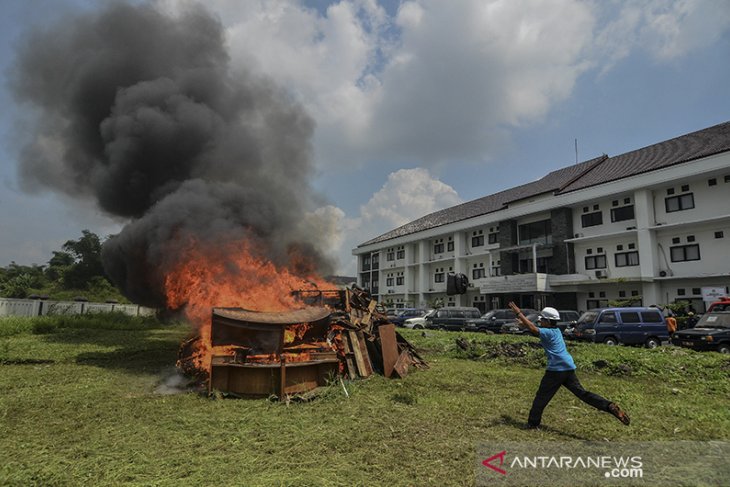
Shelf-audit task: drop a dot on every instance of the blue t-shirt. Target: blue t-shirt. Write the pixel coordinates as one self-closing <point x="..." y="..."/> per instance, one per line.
<point x="558" y="358"/>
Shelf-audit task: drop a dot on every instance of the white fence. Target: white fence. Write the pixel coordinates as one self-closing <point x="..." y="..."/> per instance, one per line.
<point x="38" y="307"/>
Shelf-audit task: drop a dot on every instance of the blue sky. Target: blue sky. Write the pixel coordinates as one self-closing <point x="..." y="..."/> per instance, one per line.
<point x="423" y="104"/>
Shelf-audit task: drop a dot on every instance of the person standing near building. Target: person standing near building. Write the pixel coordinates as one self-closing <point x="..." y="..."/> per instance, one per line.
<point x="560" y="369"/>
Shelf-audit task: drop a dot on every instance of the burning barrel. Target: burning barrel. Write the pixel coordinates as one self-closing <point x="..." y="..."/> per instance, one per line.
<point x="258" y="354"/>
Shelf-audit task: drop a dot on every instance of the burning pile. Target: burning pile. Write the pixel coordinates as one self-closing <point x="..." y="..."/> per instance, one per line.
<point x="252" y="353"/>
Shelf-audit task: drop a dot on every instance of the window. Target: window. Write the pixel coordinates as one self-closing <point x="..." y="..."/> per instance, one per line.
<point x="438" y="248"/>
<point x="680" y="292"/>
<point x="478" y="273"/>
<point x="712" y="182"/>
<point x="366" y="263"/>
<point x="690" y="238"/>
<point x="438" y="277"/>
<point x="592" y="219"/>
<point x="685" y="253"/>
<point x="596" y="303"/>
<point x="679" y="203"/>
<point x="537" y="232"/>
<point x="399" y="281"/>
<point x="390" y="256"/>
<point x="401" y="254"/>
<point x="477" y="241"/>
<point x="596" y="262"/>
<point x="622" y="294"/>
<point x="449" y="246"/>
<point x="625" y="259"/>
<point x="389" y="281"/>
<point x="630" y="317"/>
<point x="719" y="234"/>
<point x="608" y="317"/>
<point x="623" y="213"/>
<point x="493" y="238"/>
<point x="685" y="188"/>
<point x="651" y="316"/>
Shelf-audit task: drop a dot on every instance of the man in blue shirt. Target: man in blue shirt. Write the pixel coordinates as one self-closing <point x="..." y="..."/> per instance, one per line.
<point x="560" y="369"/>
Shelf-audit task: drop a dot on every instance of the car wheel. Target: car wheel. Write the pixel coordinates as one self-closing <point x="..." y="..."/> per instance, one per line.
<point x="652" y="342"/>
<point x="724" y="348"/>
<point x="417" y="327"/>
<point x="610" y="341"/>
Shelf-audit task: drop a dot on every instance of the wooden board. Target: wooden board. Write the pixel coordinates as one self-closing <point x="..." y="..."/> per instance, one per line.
<point x="389" y="347"/>
<point x="362" y="359"/>
<point x="364" y="352"/>
<point x="349" y="356"/>
<point x="401" y="365"/>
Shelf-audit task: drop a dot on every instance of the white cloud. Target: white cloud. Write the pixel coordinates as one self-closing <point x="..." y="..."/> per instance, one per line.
<point x="666" y="29"/>
<point x="407" y="194"/>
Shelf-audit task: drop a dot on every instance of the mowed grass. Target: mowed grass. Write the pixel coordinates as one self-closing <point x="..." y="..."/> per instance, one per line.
<point x="78" y="406"/>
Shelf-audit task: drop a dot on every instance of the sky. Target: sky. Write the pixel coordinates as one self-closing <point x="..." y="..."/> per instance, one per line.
<point x="420" y="105"/>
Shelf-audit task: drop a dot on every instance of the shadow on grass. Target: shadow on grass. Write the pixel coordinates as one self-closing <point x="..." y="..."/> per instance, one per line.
<point x="507" y="420"/>
<point x="137" y="351"/>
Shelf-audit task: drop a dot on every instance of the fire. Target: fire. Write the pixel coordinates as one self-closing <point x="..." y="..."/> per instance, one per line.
<point x="232" y="275"/>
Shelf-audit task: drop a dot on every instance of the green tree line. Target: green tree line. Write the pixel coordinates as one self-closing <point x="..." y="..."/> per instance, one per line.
<point x="73" y="271"/>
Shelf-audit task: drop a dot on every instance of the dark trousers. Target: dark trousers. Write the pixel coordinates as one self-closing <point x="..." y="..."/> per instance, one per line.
<point x="550" y="384"/>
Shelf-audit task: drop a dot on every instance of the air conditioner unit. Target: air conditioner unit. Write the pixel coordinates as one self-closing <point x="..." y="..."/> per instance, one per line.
<point x="601" y="274"/>
<point x="578" y="235"/>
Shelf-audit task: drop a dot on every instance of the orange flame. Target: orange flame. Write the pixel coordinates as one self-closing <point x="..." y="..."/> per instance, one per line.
<point x="231" y="275"/>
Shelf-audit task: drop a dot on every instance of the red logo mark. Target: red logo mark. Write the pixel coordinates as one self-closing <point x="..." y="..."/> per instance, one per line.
<point x="487" y="463"/>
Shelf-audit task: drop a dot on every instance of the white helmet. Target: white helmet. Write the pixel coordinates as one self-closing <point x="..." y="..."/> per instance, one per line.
<point x="550" y="314"/>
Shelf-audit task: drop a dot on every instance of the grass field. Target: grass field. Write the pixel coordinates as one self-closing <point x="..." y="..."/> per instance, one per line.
<point x="80" y="405"/>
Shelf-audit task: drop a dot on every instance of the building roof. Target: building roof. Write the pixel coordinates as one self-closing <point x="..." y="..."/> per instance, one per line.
<point x="604" y="169"/>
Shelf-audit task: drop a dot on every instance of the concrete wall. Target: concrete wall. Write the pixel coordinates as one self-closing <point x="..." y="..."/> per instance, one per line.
<point x="37" y="307"/>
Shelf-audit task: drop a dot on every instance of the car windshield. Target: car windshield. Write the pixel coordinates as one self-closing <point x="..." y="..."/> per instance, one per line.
<point x="587" y="317"/>
<point x="715" y="320"/>
<point x="430" y="313"/>
<point x="488" y="314"/>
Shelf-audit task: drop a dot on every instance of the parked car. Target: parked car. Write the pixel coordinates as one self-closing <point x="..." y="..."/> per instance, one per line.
<point x="712" y="332"/>
<point x="494" y="319"/>
<point x="401" y="315"/>
<point x="419" y="322"/>
<point x="723" y="304"/>
<point x="514" y="328"/>
<point x="630" y="326"/>
<point x="568" y="317"/>
<point x="451" y="318"/>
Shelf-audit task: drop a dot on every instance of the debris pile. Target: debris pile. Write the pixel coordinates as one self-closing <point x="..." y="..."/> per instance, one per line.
<point x="338" y="332"/>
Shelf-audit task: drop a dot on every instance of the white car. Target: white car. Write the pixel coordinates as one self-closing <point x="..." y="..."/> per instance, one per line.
<point x="419" y="322"/>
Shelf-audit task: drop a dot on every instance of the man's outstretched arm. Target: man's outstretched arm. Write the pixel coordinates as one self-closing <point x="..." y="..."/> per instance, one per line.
<point x="523" y="320"/>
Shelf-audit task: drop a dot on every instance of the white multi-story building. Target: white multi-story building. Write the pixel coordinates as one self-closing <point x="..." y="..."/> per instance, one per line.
<point x="651" y="225"/>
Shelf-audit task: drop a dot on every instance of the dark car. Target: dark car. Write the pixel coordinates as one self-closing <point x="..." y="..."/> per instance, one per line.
<point x="513" y="326"/>
<point x="568" y="317"/>
<point x="451" y="318"/>
<point x="402" y="315"/>
<point x="492" y="321"/>
<point x="712" y="332"/>
<point x="630" y="326"/>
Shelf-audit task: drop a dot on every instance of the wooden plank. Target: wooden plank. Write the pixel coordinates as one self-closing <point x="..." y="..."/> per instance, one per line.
<point x="401" y="365"/>
<point x="361" y="356"/>
<point x="349" y="356"/>
<point x="389" y="347"/>
<point x="364" y="353"/>
<point x="359" y="361"/>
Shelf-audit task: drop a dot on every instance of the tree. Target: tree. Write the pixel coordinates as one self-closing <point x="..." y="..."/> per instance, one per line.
<point x="58" y="265"/>
<point x="86" y="255"/>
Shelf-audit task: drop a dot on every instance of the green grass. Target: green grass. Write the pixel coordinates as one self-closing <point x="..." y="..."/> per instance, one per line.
<point x="78" y="407"/>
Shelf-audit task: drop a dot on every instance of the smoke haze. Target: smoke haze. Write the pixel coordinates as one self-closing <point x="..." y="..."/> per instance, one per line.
<point x="141" y="112"/>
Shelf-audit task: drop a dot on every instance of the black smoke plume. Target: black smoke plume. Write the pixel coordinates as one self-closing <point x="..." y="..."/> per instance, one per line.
<point x="141" y="111"/>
